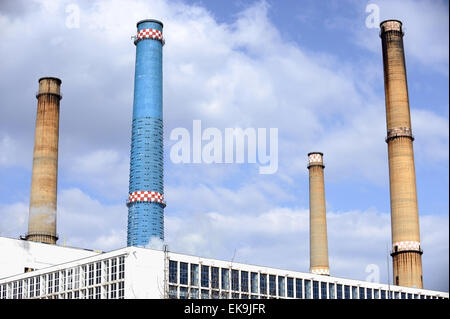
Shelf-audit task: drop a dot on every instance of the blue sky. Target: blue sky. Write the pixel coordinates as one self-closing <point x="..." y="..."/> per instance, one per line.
<point x="310" y="68"/>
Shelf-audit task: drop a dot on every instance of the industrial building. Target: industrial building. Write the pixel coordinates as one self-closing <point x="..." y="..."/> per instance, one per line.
<point x="135" y="272"/>
<point x="38" y="268"/>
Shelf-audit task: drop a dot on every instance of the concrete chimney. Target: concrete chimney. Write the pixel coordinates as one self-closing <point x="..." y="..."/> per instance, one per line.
<point x="42" y="214"/>
<point x="146" y="189"/>
<point x="318" y="242"/>
<point x="406" y="248"/>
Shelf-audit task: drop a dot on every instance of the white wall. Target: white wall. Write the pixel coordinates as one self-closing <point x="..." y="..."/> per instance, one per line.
<point x="16" y="254"/>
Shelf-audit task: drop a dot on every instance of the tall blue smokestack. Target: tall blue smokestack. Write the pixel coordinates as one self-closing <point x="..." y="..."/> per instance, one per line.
<point x="146" y="190"/>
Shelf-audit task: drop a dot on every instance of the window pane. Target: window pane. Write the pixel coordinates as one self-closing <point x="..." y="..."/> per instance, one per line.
<point x="298" y="288"/>
<point x="215" y="277"/>
<point x="235" y="280"/>
<point x="272" y="285"/>
<point x="183" y="274"/>
<point x="225" y="278"/>
<point x="331" y="293"/>
<point x="281" y="287"/>
<point x="263" y="284"/>
<point x="323" y="290"/>
<point x="290" y="287"/>
<point x="194" y="274"/>
<point x="244" y="281"/>
<point x="173" y="271"/>
<point x="362" y="293"/>
<point x="355" y="292"/>
<point x="307" y="289"/>
<point x="347" y="292"/>
<point x="254" y="282"/>
<point x="339" y="291"/>
<point x="315" y="289"/>
<point x="205" y="276"/>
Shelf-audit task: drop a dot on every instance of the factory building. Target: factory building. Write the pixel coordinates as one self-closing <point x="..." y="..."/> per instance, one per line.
<point x="37" y="268"/>
<point x="135" y="273"/>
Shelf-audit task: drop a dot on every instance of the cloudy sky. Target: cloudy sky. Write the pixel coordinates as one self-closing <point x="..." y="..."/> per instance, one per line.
<point x="311" y="69"/>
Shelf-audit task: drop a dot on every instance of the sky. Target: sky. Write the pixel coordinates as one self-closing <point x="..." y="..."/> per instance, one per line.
<point x="311" y="69"/>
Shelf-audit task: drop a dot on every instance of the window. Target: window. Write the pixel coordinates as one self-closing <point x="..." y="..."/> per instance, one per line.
<point x="315" y="289"/>
<point x="91" y="293"/>
<point x="234" y="295"/>
<point x="194" y="275"/>
<point x="113" y="291"/>
<point x="369" y="293"/>
<point x="215" y="278"/>
<point x="69" y="279"/>
<point x="173" y="271"/>
<point x="194" y="293"/>
<point x="281" y="287"/>
<point x="98" y="272"/>
<point x="235" y="280"/>
<point x="396" y="295"/>
<point x="263" y="284"/>
<point x="254" y="282"/>
<point x="225" y="279"/>
<point x="173" y="292"/>
<point x="403" y="295"/>
<point x="299" y="288"/>
<point x="244" y="281"/>
<point x="49" y="283"/>
<point x="272" y="285"/>
<point x="121" y="267"/>
<point x="307" y="289"/>
<point x="98" y="292"/>
<point x="205" y="277"/>
<point x="224" y="295"/>
<point x="339" y="291"/>
<point x="331" y="293"/>
<point x="183" y="274"/>
<point x="323" y="290"/>
<point x="215" y="294"/>
<point x="205" y="294"/>
<point x="56" y="282"/>
<point x="31" y="287"/>
<point x="409" y="296"/>
<point x="37" y="286"/>
<point x="355" y="292"/>
<point x="346" y="292"/>
<point x="383" y="294"/>
<point x="376" y="293"/>
<point x="290" y="287"/>
<point x="113" y="269"/>
<point x="362" y="293"/>
<point x="183" y="291"/>
<point x="91" y="275"/>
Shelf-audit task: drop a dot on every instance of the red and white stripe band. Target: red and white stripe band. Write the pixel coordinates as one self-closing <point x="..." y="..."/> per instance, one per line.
<point x="149" y="34"/>
<point x="146" y="196"/>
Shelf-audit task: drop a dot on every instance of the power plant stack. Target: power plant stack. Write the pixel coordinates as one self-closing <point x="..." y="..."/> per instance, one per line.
<point x="406" y="249"/>
<point x="42" y="214"/>
<point x="318" y="243"/>
<point x="146" y="189"/>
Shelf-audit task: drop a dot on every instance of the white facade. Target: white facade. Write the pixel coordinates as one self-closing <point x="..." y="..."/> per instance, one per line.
<point x="134" y="272"/>
<point x="20" y="254"/>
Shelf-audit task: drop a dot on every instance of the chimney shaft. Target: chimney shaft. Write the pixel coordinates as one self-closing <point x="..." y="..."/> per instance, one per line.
<point x="318" y="243"/>
<point x="146" y="189"/>
<point x="406" y="249"/>
<point x="42" y="214"/>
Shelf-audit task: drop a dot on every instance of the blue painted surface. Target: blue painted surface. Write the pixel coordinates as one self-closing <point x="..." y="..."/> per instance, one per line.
<point x="146" y="219"/>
